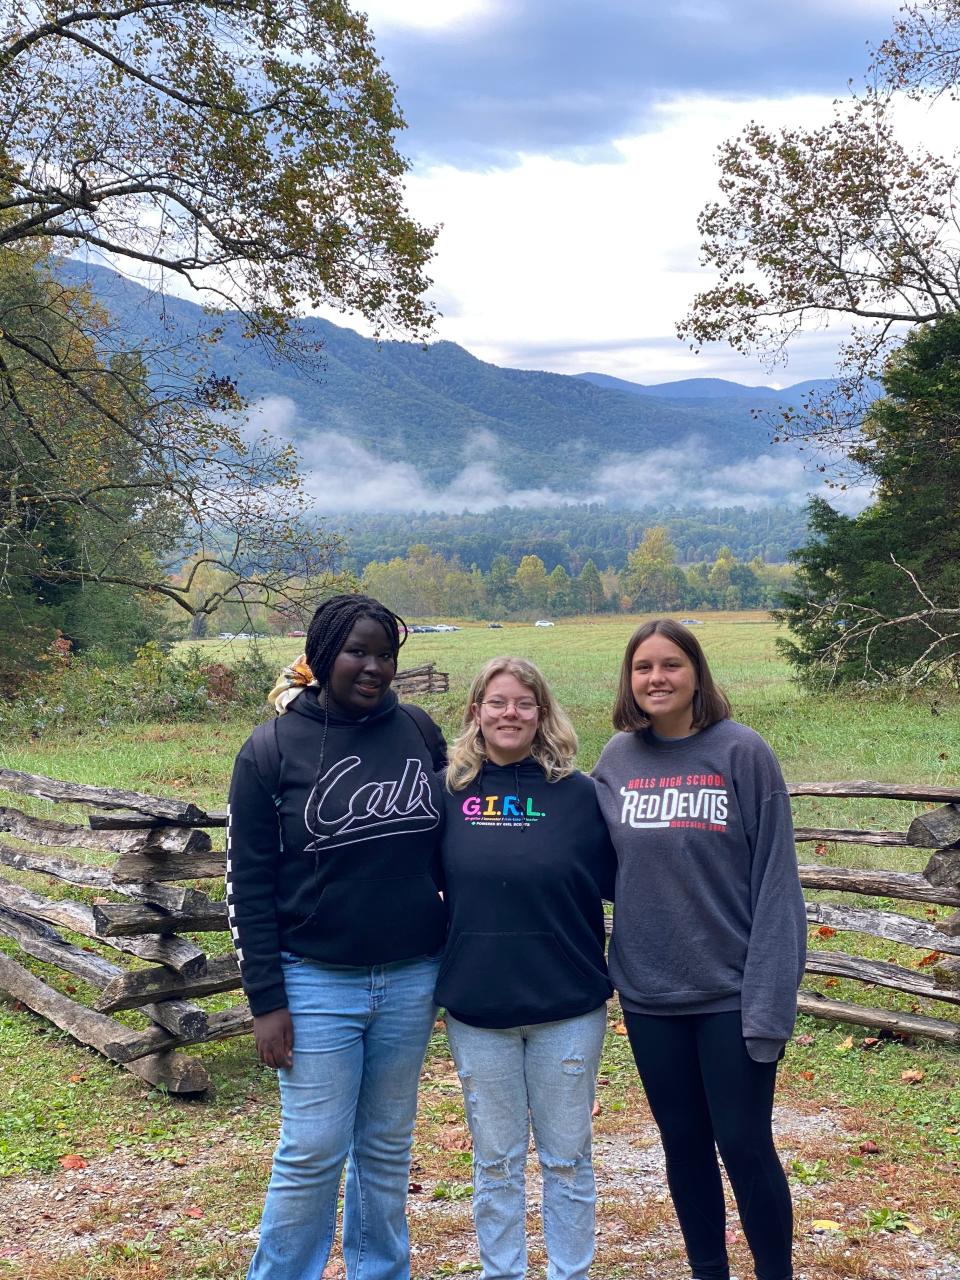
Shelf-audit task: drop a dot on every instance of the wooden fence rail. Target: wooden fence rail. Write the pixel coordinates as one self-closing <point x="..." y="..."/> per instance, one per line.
<point x="143" y="845"/>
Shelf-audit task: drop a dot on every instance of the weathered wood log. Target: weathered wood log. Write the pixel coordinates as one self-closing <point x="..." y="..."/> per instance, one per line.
<point x="878" y="884"/>
<point x="34" y="784"/>
<point x="135" y="868"/>
<point x="127" y="919"/>
<point x="221" y="1026"/>
<point x="157" y="841"/>
<point x="944" y="868"/>
<point x="96" y="877"/>
<point x="937" y="828"/>
<point x="43" y="943"/>
<point x="180" y="954"/>
<point x="951" y="925"/>
<point x="849" y="836"/>
<point x="914" y="1024"/>
<point x="173" y="1071"/>
<point x="883" y="924"/>
<point x="139" y="986"/>
<point x="880" y="973"/>
<point x="129" y="820"/>
<point x="880" y="790"/>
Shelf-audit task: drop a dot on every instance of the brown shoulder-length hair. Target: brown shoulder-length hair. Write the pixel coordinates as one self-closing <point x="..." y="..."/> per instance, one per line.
<point x="709" y="701"/>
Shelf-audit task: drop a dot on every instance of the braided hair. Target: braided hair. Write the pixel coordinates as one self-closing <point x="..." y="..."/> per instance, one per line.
<point x="334" y="620"/>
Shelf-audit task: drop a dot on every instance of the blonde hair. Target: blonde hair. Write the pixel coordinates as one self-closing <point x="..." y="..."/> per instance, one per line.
<point x="554" y="746"/>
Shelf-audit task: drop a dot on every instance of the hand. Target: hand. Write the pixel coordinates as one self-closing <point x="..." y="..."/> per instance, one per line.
<point x="273" y="1033"/>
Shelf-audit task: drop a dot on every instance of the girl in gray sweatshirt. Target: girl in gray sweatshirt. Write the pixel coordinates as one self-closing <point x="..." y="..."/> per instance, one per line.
<point x="709" y="938"/>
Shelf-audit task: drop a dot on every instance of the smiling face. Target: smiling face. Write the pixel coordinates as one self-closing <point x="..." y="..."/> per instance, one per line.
<point x="508" y="732"/>
<point x="362" y="671"/>
<point x="663" y="681"/>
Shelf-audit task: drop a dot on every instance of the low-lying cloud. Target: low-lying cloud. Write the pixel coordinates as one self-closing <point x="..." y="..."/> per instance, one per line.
<point x="342" y="475"/>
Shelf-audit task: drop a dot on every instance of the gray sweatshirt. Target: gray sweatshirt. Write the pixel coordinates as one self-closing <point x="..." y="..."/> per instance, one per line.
<point x="709" y="915"/>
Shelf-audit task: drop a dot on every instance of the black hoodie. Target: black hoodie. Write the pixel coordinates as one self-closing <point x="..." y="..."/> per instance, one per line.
<point x="526" y="865"/>
<point x="342" y="868"/>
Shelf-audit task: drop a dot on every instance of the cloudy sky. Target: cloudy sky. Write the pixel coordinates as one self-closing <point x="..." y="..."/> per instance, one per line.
<point x="567" y="148"/>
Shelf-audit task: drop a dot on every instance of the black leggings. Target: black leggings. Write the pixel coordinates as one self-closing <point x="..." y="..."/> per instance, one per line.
<point x="706" y="1092"/>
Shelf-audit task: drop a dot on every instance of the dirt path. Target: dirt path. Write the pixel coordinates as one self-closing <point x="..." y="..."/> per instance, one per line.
<point x="149" y="1219"/>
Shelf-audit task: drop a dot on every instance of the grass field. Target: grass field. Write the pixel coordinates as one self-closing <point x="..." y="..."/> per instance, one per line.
<point x="188" y="1178"/>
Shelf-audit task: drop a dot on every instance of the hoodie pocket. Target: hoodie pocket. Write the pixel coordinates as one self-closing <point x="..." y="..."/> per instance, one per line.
<point x="510" y="979"/>
<point x="366" y="922"/>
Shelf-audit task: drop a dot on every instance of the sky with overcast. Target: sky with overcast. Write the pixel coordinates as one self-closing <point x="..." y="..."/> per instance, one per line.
<point x="567" y="148"/>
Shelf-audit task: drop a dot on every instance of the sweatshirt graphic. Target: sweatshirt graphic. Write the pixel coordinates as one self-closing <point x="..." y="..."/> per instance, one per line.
<point x="526" y="864"/>
<point x="344" y="868"/>
<point x="709" y="912"/>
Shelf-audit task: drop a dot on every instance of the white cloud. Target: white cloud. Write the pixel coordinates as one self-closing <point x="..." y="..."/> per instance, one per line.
<point x="426" y="14"/>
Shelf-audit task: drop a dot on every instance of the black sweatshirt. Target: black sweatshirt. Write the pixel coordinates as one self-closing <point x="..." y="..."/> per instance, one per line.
<point x="343" y="868"/>
<point x="526" y="865"/>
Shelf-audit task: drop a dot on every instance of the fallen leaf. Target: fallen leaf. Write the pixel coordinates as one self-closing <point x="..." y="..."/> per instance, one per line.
<point x="845" y="1045"/>
<point x="820" y="849"/>
<point x="932" y="958"/>
<point x="415" y="1188"/>
<point x="831" y="982"/>
<point x="869" y="1148"/>
<point x="868" y="1042"/>
<point x="806" y="1038"/>
<point x="76" y="1078"/>
<point x="808" y="1075"/>
<point x="193" y="1212"/>
<point x="596" y="1109"/>
<point x="913" y="1228"/>
<point x="913" y="1076"/>
<point x="72" y="1162"/>
<point x="826" y="1224"/>
<point x="619" y="1028"/>
<point x="826" y="932"/>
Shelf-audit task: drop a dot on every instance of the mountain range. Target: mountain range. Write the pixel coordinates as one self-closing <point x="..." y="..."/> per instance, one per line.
<point x="421" y="428"/>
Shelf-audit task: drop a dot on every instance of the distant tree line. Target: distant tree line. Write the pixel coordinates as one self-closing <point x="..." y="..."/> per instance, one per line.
<point x="425" y="583"/>
<point x="572" y="535"/>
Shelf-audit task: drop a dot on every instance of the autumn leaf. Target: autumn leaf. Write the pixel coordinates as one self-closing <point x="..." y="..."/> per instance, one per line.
<point x="805" y="1039"/>
<point x="826" y="1224"/>
<point x="193" y="1212"/>
<point x="869" y="1042"/>
<point x="808" y="1075"/>
<point x="619" y="1028"/>
<point x="831" y="982"/>
<point x="72" y="1162"/>
<point x="820" y="849"/>
<point x="826" y="932"/>
<point x="932" y="958"/>
<point x="913" y="1076"/>
<point x="869" y="1148"/>
<point x="845" y="1045"/>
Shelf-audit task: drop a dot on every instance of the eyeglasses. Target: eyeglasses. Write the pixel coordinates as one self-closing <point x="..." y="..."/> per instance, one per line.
<point x="525" y="707"/>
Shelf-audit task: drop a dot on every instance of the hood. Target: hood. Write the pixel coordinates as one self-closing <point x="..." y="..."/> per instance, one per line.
<point x="309" y="705"/>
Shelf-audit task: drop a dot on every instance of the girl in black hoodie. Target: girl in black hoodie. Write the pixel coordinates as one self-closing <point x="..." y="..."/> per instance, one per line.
<point x="527" y="862"/>
<point x="332" y="875"/>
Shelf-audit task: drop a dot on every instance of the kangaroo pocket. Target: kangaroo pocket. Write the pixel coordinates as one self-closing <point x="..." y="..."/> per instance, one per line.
<point x="510" y="979"/>
<point x="367" y="922"/>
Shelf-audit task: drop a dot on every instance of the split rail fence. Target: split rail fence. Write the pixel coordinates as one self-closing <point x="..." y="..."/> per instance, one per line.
<point x="145" y="847"/>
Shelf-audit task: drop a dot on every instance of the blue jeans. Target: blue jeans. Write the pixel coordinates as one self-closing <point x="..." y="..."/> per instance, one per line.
<point x="542" y="1075"/>
<point x="359" y="1039"/>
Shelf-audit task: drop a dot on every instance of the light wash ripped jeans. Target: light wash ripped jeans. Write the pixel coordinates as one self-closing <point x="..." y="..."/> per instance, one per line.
<point x="359" y="1039"/>
<point x="542" y="1075"/>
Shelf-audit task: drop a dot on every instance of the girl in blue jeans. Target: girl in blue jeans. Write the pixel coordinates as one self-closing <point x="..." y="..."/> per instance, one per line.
<point x="527" y="862"/>
<point x="332" y="893"/>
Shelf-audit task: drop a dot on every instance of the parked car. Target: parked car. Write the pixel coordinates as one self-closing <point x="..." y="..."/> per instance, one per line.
<point x="495" y="626"/>
<point x="444" y="626"/>
<point x="690" y="622"/>
<point x="543" y="622"/>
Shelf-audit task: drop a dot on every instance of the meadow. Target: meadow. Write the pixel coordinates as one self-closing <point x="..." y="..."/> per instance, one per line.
<point x="157" y="1188"/>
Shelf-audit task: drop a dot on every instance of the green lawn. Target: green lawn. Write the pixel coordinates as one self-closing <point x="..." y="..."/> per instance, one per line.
<point x="56" y="1098"/>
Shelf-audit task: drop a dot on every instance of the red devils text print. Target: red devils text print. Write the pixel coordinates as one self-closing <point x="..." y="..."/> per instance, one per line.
<point x="697" y="800"/>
